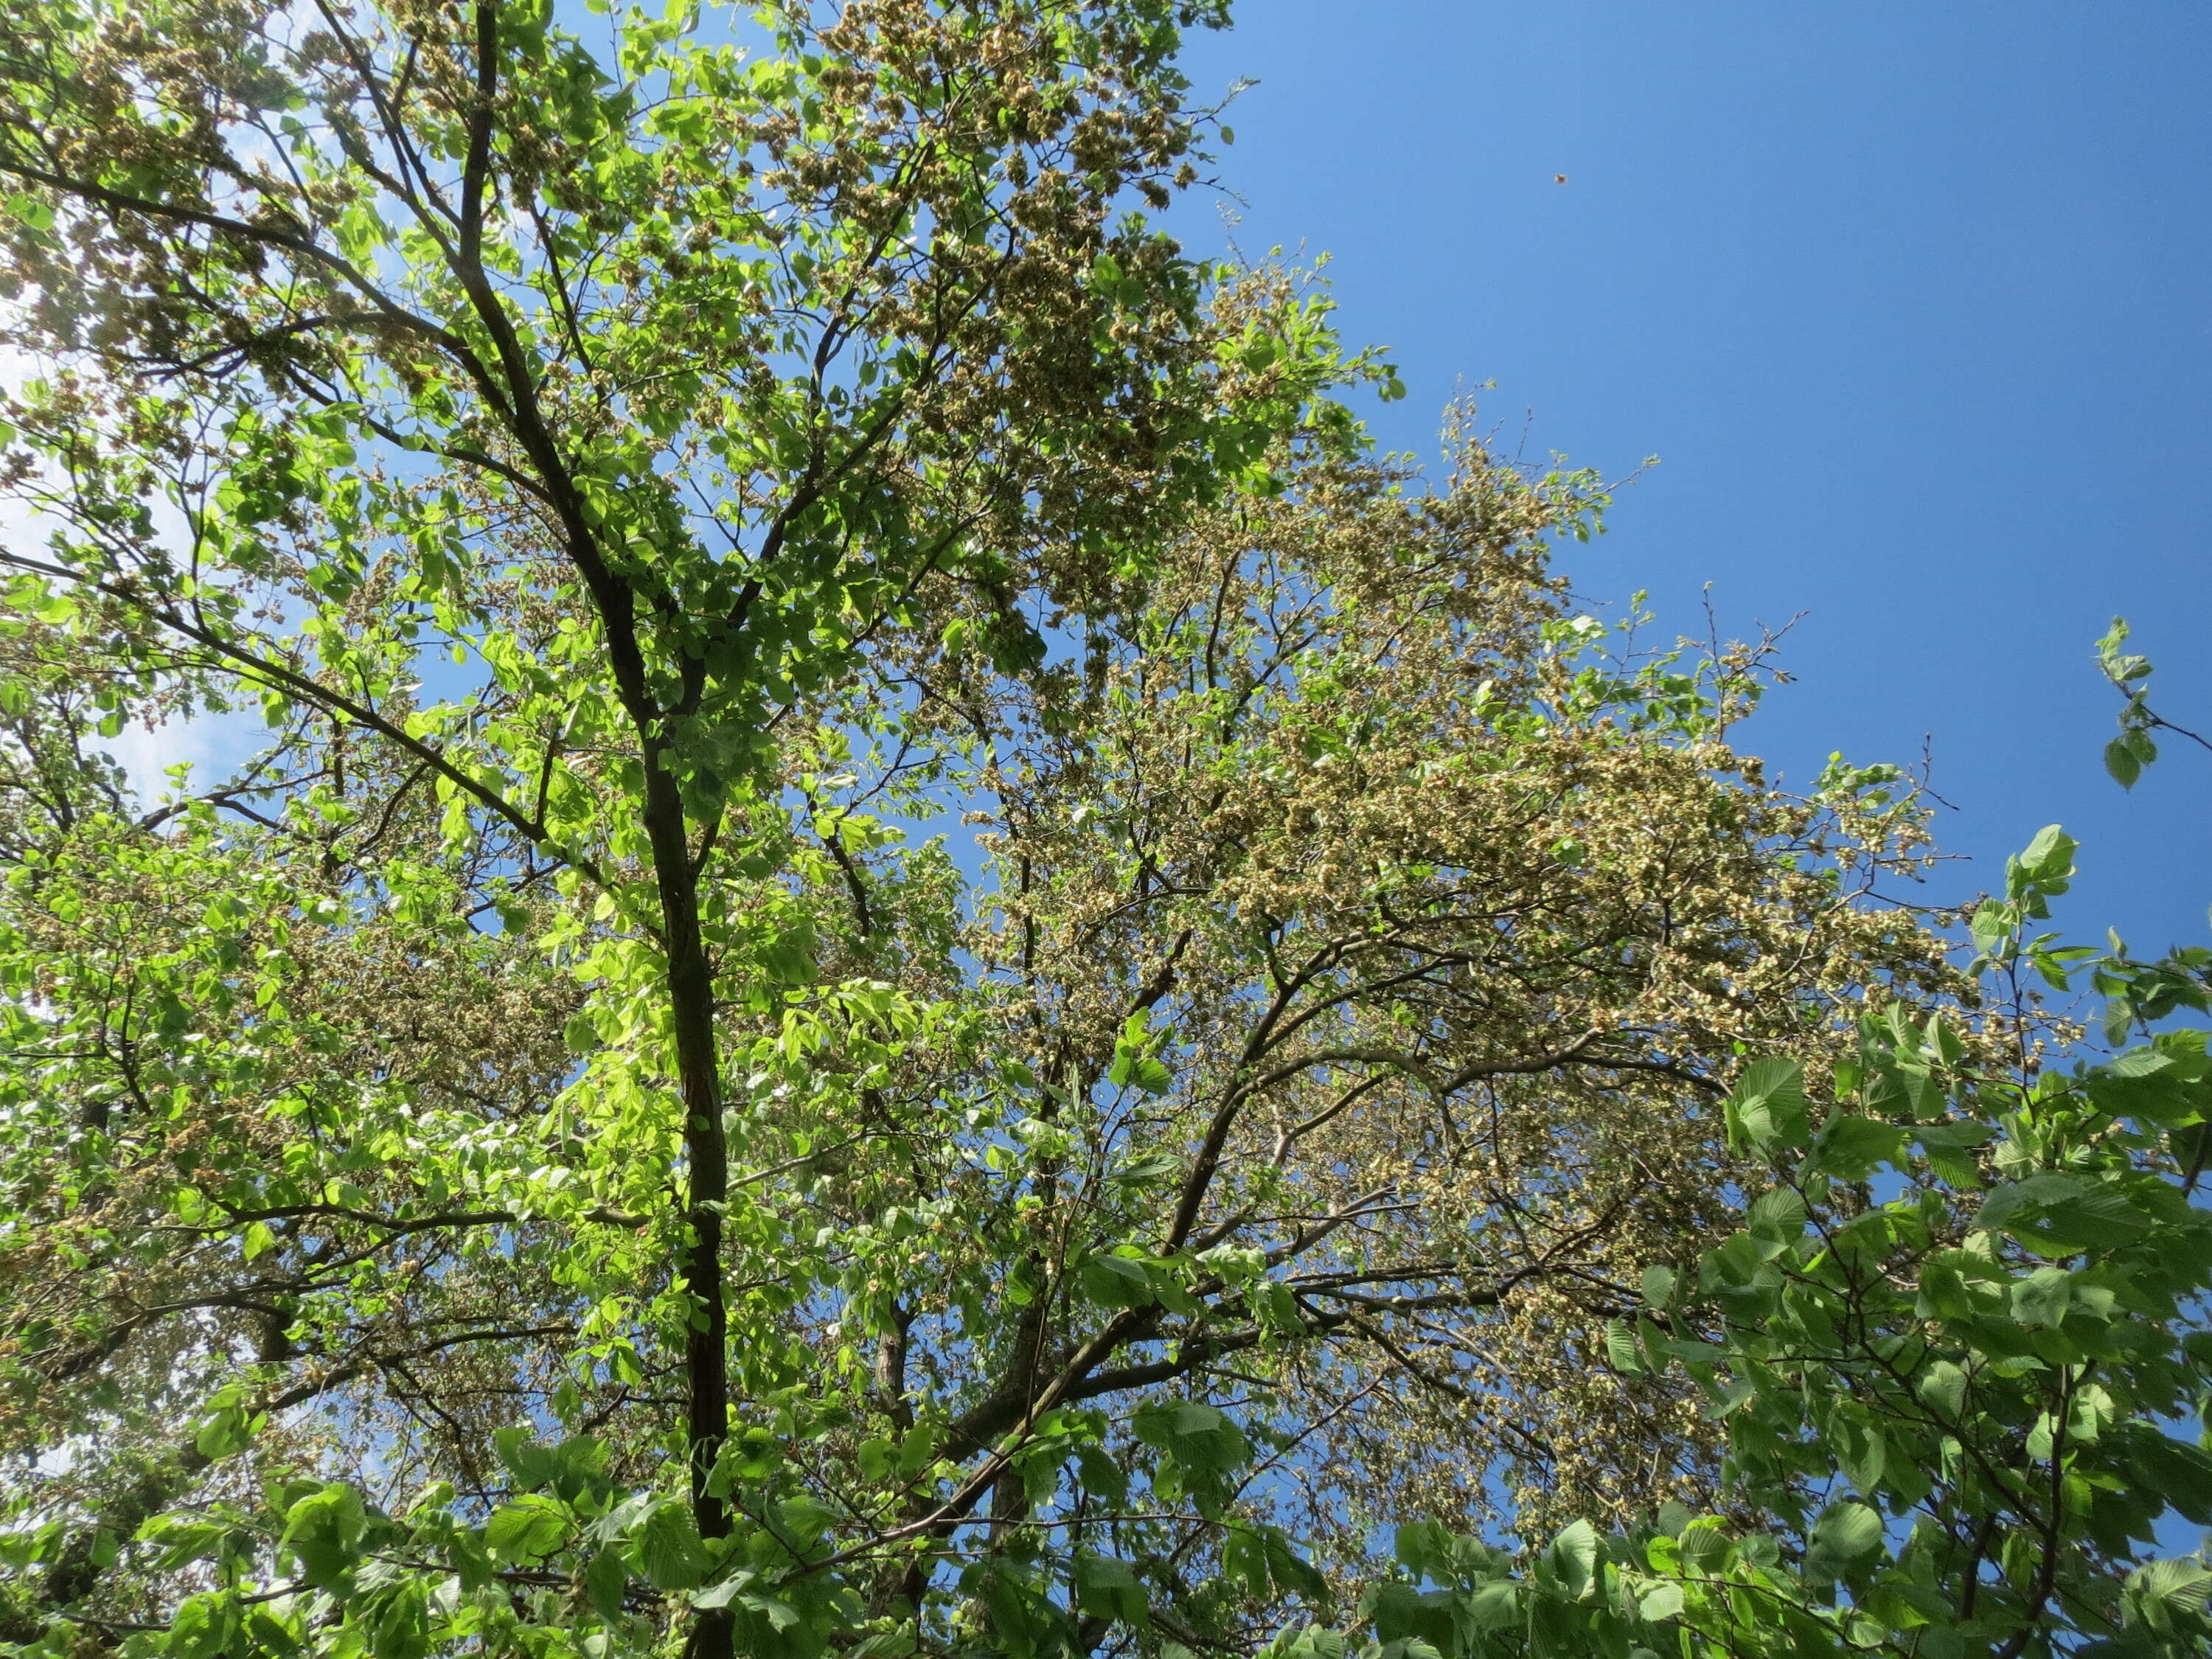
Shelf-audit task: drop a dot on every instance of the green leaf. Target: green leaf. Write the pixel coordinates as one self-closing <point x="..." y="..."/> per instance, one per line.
<point x="1115" y="1281"/>
<point x="2120" y="760"/>
<point x="203" y="1628"/>
<point x="1655" y="1602"/>
<point x="2186" y="1585"/>
<point x="1943" y="1385"/>
<point x="1135" y="1062"/>
<point x="1244" y="1559"/>
<point x="2061" y="1214"/>
<point x="400" y="1630"/>
<point x="1108" y="1588"/>
<point x="1850" y="1147"/>
<point x="1191" y="1429"/>
<point x="606" y="1580"/>
<point x="1777" y="1220"/>
<point x="1496" y="1605"/>
<point x="2043" y="1298"/>
<point x="1147" y="1170"/>
<point x="2049" y="858"/>
<point x="1844" y="1538"/>
<point x="1705" y="1546"/>
<point x="1767" y="1110"/>
<point x="1620" y="1348"/>
<point x="1943" y="1293"/>
<point x="227" y="1430"/>
<point x="184" y="1538"/>
<point x="739" y="1590"/>
<point x="526" y="1530"/>
<point x="669" y="1551"/>
<point x="567" y="1468"/>
<point x="1290" y="1570"/>
<point x="805" y="1518"/>
<point x="722" y="1594"/>
<point x="788" y="959"/>
<point x="1572" y="1559"/>
<point x="324" y="1530"/>
<point x="2178" y="1472"/>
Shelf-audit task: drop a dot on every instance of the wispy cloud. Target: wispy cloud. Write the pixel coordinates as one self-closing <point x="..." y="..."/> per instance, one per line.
<point x="211" y="744"/>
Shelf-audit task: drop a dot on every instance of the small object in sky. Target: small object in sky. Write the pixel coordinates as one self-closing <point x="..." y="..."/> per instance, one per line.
<point x="1558" y="177"/>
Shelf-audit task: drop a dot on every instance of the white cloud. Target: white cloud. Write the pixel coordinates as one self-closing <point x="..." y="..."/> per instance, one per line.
<point x="211" y="744"/>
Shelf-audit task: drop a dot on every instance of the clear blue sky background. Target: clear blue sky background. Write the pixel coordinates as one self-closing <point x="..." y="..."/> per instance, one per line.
<point x="1914" y="302"/>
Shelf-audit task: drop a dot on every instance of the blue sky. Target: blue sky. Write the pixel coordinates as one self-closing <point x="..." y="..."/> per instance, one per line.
<point x="1914" y="302"/>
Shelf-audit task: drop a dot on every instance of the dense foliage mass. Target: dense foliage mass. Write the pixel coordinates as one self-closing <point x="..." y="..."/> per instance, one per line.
<point x="909" y="963"/>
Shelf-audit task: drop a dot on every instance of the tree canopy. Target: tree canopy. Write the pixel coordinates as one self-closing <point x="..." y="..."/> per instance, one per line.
<point x="910" y="963"/>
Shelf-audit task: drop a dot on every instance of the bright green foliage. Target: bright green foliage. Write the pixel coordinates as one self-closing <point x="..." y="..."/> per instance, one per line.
<point x="2126" y="754"/>
<point x="2136" y="747"/>
<point x="1959" y="1352"/>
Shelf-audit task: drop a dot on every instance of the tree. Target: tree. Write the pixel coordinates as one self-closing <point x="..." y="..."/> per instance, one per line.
<point x="538" y="1160"/>
<point x="1950" y="1415"/>
<point x="1957" y="1346"/>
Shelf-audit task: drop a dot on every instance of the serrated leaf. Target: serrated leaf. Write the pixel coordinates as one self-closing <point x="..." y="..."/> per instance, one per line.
<point x="1108" y="1588"/>
<point x="2176" y="1471"/>
<point x="1116" y="1281"/>
<point x="2071" y="1215"/>
<point x="2185" y="1584"/>
<point x="524" y="1531"/>
<point x="669" y="1549"/>
<point x="1662" y="1600"/>
<point x="1777" y="1220"/>
<point x="1851" y="1146"/>
<point x="1573" y="1558"/>
<point x="323" y="1529"/>
<point x="1846" y="1536"/>
<point x="1145" y="1171"/>
<point x="1767" y="1109"/>
<point x="1620" y="1349"/>
<point x="2120" y="760"/>
<point x="1943" y="1385"/>
<point x="606" y="1580"/>
<point x="722" y="1594"/>
<point x="1290" y="1570"/>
